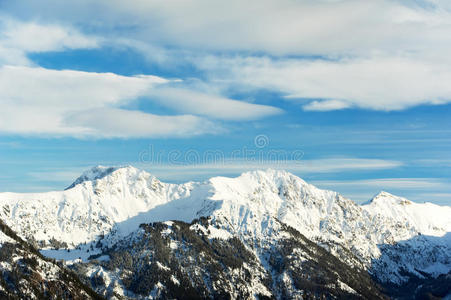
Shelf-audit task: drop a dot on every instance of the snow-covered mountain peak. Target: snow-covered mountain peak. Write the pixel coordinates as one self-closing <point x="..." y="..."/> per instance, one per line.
<point x="268" y="174"/>
<point x="114" y="177"/>
<point x="250" y="201"/>
<point x="98" y="172"/>
<point x="113" y="202"/>
<point x="385" y="198"/>
<point x="425" y="218"/>
<point x="269" y="181"/>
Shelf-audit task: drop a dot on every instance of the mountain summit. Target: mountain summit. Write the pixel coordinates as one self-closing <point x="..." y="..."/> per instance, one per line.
<point x="93" y="174"/>
<point x="106" y="207"/>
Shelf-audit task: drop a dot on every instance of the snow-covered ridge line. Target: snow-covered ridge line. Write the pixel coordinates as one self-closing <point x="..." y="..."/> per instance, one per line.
<point x="108" y="195"/>
<point x="112" y="202"/>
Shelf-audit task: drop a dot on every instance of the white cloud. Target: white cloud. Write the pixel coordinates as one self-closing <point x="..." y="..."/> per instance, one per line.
<point x="385" y="55"/>
<point x="33" y="37"/>
<point x="17" y="39"/>
<point x="325" y="105"/>
<point x="214" y="106"/>
<point x="68" y="89"/>
<point x="108" y="122"/>
<point x="379" y="83"/>
<point x="320" y="27"/>
<point x="42" y="101"/>
<point x="75" y="103"/>
<point x="36" y="100"/>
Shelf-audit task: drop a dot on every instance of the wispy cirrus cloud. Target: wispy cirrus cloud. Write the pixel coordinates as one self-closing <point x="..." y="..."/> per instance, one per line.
<point x="189" y="170"/>
<point x="218" y="107"/>
<point x="111" y="122"/>
<point x="86" y="104"/>
<point x="43" y="101"/>
<point x="398" y="183"/>
<point x="377" y="82"/>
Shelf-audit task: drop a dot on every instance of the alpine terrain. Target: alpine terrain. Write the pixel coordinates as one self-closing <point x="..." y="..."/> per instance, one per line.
<point x="120" y="233"/>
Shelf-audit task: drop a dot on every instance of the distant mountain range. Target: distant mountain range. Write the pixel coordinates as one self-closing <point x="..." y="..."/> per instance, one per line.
<point x="263" y="235"/>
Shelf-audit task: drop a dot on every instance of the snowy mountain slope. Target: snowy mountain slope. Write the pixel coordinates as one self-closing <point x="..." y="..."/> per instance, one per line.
<point x="424" y="247"/>
<point x="112" y="202"/>
<point x="100" y="198"/>
<point x="177" y="260"/>
<point x="425" y="218"/>
<point x="26" y="274"/>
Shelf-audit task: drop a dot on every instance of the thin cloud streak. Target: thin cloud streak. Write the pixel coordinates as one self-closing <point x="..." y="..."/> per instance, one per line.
<point x="180" y="171"/>
<point x="398" y="183"/>
<point x="188" y="101"/>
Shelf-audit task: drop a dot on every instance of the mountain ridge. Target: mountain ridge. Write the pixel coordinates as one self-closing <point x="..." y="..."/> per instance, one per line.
<point x="105" y="205"/>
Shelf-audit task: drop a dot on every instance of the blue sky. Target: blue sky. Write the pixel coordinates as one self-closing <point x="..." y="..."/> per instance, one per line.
<point x="355" y="102"/>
